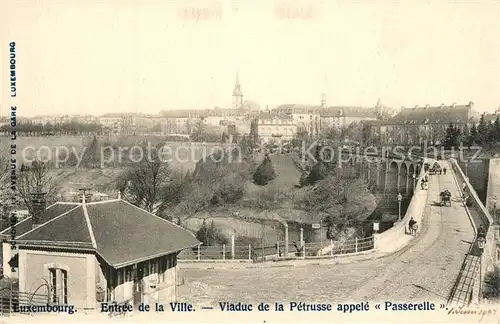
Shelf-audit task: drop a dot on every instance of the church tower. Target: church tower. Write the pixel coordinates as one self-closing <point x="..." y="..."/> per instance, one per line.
<point x="237" y="94"/>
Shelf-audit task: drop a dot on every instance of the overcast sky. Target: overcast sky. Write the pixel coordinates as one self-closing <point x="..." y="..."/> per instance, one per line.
<point x="144" y="56"/>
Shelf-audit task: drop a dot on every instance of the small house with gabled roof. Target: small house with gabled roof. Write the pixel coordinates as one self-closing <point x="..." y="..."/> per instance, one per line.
<point x="100" y="251"/>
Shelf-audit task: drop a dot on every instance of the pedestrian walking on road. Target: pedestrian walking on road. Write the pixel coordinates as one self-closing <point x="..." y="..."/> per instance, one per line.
<point x="297" y="251"/>
<point x="423" y="183"/>
<point x="444" y="171"/>
<point x="411" y="225"/>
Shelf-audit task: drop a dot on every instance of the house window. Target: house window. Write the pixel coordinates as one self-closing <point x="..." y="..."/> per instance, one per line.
<point x="58" y="279"/>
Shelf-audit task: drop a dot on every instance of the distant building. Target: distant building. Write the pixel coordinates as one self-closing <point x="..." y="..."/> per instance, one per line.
<point x="492" y="117"/>
<point x="419" y="124"/>
<point x="185" y="121"/>
<point x="93" y="252"/>
<point x="306" y="117"/>
<point x="314" y="118"/>
<point x="112" y="123"/>
<point x="275" y="127"/>
<point x="343" y="116"/>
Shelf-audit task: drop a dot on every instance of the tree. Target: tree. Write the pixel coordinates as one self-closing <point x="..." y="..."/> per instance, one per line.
<point x="473" y="136"/>
<point x="317" y="173"/>
<point x="144" y="183"/>
<point x="216" y="180"/>
<point x="36" y="179"/>
<point x="465" y="135"/>
<point x="345" y="198"/>
<point x="482" y="130"/>
<point x="492" y="281"/>
<point x="264" y="173"/>
<point x="300" y="138"/>
<point x="4" y="191"/>
<point x="450" y="138"/>
<point x="91" y="156"/>
<point x="210" y="235"/>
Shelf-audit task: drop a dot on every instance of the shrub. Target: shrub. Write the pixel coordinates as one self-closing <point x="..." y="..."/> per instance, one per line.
<point x="318" y="172"/>
<point x="264" y="173"/>
<point x="210" y="235"/>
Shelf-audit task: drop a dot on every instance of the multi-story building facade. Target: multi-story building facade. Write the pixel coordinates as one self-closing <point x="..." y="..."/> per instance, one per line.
<point x="315" y="118"/>
<point x="423" y="124"/>
<point x="343" y="116"/>
<point x="275" y="127"/>
<point x="307" y="118"/>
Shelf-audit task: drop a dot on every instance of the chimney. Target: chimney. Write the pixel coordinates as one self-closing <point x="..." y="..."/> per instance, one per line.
<point x="39" y="203"/>
<point x="323" y="101"/>
<point x="471" y="104"/>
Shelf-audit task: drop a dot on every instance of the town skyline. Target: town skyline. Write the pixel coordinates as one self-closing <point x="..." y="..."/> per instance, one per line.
<point x="154" y="57"/>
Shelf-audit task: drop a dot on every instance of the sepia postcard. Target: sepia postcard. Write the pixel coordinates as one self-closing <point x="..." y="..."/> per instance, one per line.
<point x="252" y="161"/>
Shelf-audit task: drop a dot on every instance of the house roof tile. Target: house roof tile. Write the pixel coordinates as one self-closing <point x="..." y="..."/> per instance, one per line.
<point x="48" y="214"/>
<point x="57" y="229"/>
<point x="120" y="232"/>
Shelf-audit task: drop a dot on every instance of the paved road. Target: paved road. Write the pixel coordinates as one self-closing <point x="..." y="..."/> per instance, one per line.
<point x="426" y="269"/>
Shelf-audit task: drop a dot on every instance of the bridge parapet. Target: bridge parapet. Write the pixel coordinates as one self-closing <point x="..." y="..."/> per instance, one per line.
<point x="396" y="237"/>
<point x="479" y="216"/>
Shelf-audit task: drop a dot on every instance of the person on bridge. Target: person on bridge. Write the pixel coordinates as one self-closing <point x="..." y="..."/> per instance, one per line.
<point x="411" y="226"/>
<point x="444" y="171"/>
<point x="481" y="232"/>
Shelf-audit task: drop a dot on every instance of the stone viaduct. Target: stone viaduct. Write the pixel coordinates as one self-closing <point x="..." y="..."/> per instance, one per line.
<point x="390" y="175"/>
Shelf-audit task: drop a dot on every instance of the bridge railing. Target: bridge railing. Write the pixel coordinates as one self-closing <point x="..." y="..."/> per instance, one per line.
<point x="479" y="216"/>
<point x="394" y="238"/>
<point x="249" y="253"/>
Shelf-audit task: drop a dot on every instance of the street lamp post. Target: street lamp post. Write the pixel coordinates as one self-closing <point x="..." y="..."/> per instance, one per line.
<point x="481" y="243"/>
<point x="286" y="240"/>
<point x="400" y="198"/>
<point x="321" y="234"/>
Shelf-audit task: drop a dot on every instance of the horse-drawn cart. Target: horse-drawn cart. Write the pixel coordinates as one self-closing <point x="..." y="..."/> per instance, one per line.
<point x="445" y="198"/>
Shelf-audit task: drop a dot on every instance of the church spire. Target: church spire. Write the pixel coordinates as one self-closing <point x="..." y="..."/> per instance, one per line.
<point x="237" y="94"/>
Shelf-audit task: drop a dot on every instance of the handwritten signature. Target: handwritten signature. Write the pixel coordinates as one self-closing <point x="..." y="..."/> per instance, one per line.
<point x="478" y="311"/>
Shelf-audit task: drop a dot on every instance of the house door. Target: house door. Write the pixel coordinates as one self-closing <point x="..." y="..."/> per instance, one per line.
<point x="138" y="285"/>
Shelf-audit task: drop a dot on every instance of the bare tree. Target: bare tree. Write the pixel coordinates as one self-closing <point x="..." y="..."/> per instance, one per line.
<point x="36" y="179"/>
<point x="5" y="200"/>
<point x="4" y="175"/>
<point x="144" y="183"/>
